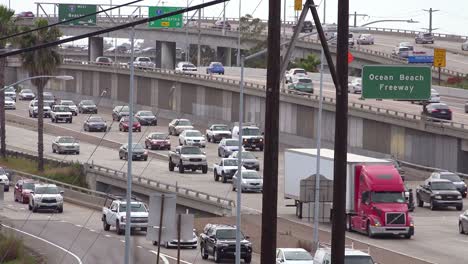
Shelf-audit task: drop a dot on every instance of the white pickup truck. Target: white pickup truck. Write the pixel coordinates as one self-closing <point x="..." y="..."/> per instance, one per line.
<point x="115" y="215"/>
<point x="61" y="113"/>
<point x="225" y="169"/>
<point x="216" y="132"/>
<point x="143" y="62"/>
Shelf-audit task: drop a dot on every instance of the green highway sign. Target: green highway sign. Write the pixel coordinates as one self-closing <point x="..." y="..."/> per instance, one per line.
<point x="401" y="82"/>
<point x="69" y="11"/>
<point x="168" y="22"/>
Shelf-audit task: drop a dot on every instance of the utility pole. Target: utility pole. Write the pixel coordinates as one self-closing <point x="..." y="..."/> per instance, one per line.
<point x="430" y="29"/>
<point x="341" y="137"/>
<point x="355" y="17"/>
<point x="324" y="10"/>
<point x="199" y="37"/>
<point x="270" y="183"/>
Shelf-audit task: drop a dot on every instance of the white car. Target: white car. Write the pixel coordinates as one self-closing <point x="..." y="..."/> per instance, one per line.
<point x="464" y="46"/>
<point x="186" y="68"/>
<point x="143" y="62"/>
<point x="192" y="138"/>
<point x="4" y="179"/>
<point x="176" y="126"/>
<point x="33" y="109"/>
<point x="66" y="144"/>
<point x="293" y="73"/>
<point x="216" y="132"/>
<point x="323" y="256"/>
<point x="10" y="103"/>
<point x="251" y="181"/>
<point x="293" y="256"/>
<point x="26" y="94"/>
<point x="46" y="196"/>
<point x="71" y="105"/>
<point x="10" y="92"/>
<point x="225" y="169"/>
<point x="355" y="86"/>
<point x="365" y="39"/>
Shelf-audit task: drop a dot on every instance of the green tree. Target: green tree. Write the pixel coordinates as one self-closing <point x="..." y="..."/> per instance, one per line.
<point x="308" y="63"/>
<point x="251" y="28"/>
<point x="6" y="28"/>
<point x="40" y="62"/>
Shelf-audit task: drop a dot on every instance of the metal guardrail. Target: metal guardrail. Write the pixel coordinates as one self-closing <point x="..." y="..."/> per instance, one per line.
<point x="165" y="186"/>
<point x="430" y="169"/>
<point x="212" y="78"/>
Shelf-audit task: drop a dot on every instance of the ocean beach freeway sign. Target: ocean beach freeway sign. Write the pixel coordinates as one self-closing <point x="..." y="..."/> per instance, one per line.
<point x="168" y="22"/>
<point x="401" y="82"/>
<point x="69" y="11"/>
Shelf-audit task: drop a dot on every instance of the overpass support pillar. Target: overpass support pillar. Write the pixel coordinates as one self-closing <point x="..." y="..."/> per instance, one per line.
<point x="95" y="48"/>
<point x="223" y="55"/>
<point x="165" y="55"/>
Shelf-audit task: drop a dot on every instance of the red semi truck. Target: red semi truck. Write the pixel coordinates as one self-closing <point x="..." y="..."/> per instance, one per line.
<point x="375" y="193"/>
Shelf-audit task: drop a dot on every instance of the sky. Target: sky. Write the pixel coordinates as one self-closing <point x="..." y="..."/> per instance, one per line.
<point x="452" y="17"/>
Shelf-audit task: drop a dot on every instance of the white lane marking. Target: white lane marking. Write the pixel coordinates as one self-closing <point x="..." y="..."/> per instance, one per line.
<point x="162" y="256"/>
<point x="46" y="241"/>
<point x="139" y="247"/>
<point x="78" y="225"/>
<point x="170" y="257"/>
<point x="123" y="241"/>
<point x="92" y="230"/>
<point x="108" y="236"/>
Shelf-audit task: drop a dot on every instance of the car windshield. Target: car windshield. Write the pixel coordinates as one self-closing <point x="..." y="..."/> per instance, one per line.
<point x="67" y="140"/>
<point x="144" y="59"/>
<point x="451" y="177"/>
<point x="95" y="119"/>
<point x="87" y="102"/>
<point x="227" y="234"/>
<point x="158" y="136"/>
<point x="8" y="99"/>
<point x="2" y="171"/>
<point x="305" y="80"/>
<point x="220" y="128"/>
<point x="188" y="66"/>
<point x="230" y="162"/>
<point x="232" y="142"/>
<point x="49" y="98"/>
<point x="248" y="155"/>
<point x="216" y="64"/>
<point x="122" y="108"/>
<point x="441" y="106"/>
<point x="297" y="255"/>
<point x="250" y="175"/>
<point x="135" y="207"/>
<point x="251" y="132"/>
<point x="26" y="91"/>
<point x="191" y="150"/>
<point x="184" y="123"/>
<point x="358" y="260"/>
<point x="193" y="134"/>
<point x="46" y="190"/>
<point x="28" y="185"/>
<point x="124" y="119"/>
<point x="137" y="146"/>
<point x="443" y="186"/>
<point x="146" y="113"/>
<point x="10" y="89"/>
<point x="61" y="109"/>
<point x="300" y="72"/>
<point x="427" y="35"/>
<point x="67" y="103"/>
<point x="388" y="197"/>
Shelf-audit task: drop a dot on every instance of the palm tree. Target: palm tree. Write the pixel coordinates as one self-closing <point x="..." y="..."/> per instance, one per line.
<point x="40" y="62"/>
<point x="6" y="28"/>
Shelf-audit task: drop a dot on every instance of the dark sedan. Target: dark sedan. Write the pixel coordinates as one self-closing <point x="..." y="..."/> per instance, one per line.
<point x="438" y="111"/>
<point x="139" y="153"/>
<point x="123" y="124"/>
<point x="146" y="118"/>
<point x="87" y="106"/>
<point x="157" y="140"/>
<point x="95" y="123"/>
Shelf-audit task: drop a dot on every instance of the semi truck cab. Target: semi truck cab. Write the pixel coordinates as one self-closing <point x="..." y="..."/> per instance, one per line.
<point x="379" y="203"/>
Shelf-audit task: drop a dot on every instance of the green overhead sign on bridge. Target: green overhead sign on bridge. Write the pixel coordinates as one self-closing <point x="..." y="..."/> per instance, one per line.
<point x="168" y="22"/>
<point x="69" y="11"/>
<point x="400" y="82"/>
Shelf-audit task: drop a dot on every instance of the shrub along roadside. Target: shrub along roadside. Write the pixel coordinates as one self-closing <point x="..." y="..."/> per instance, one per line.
<point x="12" y="250"/>
<point x="70" y="173"/>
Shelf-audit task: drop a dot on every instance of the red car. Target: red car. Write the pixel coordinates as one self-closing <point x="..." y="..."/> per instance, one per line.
<point x="157" y="140"/>
<point x="25" y="14"/>
<point x="22" y="190"/>
<point x="123" y="124"/>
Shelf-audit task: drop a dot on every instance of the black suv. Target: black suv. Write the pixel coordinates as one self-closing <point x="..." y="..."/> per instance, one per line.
<point x="439" y="193"/>
<point x="219" y="241"/>
<point x="306" y="27"/>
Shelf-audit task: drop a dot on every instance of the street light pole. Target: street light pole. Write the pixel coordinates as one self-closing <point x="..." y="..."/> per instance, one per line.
<point x="224" y="18"/>
<point x="130" y="150"/>
<point x="239" y="35"/>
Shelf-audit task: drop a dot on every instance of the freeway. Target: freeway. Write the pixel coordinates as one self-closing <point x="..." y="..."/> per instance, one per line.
<point x="436" y="236"/>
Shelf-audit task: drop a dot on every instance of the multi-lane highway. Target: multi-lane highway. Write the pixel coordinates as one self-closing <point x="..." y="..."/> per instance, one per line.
<point x="436" y="232"/>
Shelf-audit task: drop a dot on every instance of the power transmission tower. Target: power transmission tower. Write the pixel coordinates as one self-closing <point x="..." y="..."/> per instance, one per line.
<point x="355" y="17"/>
<point x="430" y="29"/>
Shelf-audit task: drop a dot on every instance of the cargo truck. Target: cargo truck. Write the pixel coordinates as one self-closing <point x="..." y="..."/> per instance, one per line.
<point x="375" y="201"/>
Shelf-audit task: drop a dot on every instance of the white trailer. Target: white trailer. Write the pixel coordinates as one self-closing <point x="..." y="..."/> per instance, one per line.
<point x="300" y="164"/>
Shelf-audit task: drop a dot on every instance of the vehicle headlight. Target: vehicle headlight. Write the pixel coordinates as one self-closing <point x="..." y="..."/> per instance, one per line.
<point x="59" y="198"/>
<point x="437" y="197"/>
<point x="37" y="198"/>
<point x="411" y="222"/>
<point x="376" y="222"/>
<point x="185" y="158"/>
<point x="261" y="139"/>
<point x="222" y="245"/>
<point x="459" y="197"/>
<point x="122" y="218"/>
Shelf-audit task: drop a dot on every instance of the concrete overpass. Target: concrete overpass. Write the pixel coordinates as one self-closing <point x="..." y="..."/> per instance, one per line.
<point x="373" y="128"/>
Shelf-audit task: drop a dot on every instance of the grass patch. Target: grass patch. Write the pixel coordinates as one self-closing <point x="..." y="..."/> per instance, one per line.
<point x="70" y="174"/>
<point x="12" y="250"/>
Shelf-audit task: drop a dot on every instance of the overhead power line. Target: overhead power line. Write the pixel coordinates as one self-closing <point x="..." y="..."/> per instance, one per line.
<point x="107" y="30"/>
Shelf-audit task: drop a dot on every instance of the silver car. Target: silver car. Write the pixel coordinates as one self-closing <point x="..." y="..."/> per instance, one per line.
<point x="251" y="181"/>
<point x="65" y="145"/>
<point x="355" y="86"/>
<point x="249" y="160"/>
<point x="464" y="46"/>
<point x="10" y="103"/>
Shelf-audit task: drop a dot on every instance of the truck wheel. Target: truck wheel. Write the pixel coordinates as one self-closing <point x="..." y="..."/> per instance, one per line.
<point x="205" y="169"/>
<point x="208" y="138"/>
<point x="194" y="169"/>
<point x="261" y="148"/>
<point x="369" y="232"/>
<point x="203" y="253"/>
<point x="224" y="177"/>
<point x="105" y="225"/>
<point x="408" y="236"/>
<point x="216" y="256"/>
<point x="216" y="176"/>
<point x="460" y="228"/>
<point x="181" y="167"/>
<point x="420" y="202"/>
<point x="219" y="153"/>
<point x="171" y="165"/>
<point x="459" y="207"/>
<point x="433" y="207"/>
<point x="248" y="259"/>
<point x="117" y="227"/>
<point x="349" y="227"/>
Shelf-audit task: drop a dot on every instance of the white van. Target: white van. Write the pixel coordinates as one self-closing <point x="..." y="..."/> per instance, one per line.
<point x="352" y="256"/>
<point x="251" y="136"/>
